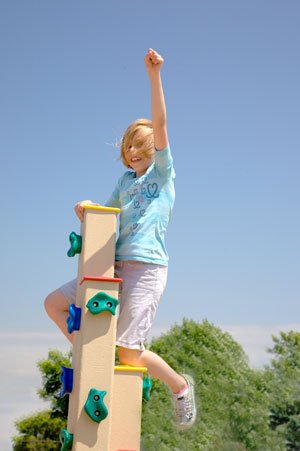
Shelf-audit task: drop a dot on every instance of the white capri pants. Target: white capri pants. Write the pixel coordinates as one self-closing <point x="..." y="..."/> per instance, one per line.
<point x="139" y="296"/>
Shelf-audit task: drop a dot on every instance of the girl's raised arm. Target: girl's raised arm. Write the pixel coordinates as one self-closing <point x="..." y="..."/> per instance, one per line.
<point x="153" y="63"/>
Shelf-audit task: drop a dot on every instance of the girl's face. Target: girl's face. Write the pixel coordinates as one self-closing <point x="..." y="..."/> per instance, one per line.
<point x="135" y="156"/>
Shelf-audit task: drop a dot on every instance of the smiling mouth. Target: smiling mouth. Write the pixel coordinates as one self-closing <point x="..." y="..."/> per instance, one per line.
<point x="135" y="160"/>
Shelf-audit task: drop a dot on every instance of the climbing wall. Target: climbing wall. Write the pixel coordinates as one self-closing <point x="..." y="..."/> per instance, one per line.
<point x="105" y="401"/>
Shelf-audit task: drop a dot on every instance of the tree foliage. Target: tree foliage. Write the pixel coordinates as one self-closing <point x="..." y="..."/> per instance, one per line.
<point x="40" y="432"/>
<point x="240" y="408"/>
<point x="233" y="399"/>
<point x="50" y="369"/>
<point x="285" y="374"/>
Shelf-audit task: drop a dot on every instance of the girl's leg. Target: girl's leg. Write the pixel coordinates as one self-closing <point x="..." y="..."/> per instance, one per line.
<point x="181" y="385"/>
<point x="156" y="366"/>
<point x="56" y="305"/>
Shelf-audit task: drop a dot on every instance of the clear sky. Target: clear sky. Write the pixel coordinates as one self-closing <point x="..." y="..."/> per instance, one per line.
<point x="73" y="78"/>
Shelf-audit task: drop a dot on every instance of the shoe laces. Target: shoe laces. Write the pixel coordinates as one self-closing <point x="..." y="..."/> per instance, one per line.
<point x="183" y="406"/>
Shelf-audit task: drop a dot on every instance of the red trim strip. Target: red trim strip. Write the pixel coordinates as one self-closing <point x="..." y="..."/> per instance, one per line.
<point x="101" y="279"/>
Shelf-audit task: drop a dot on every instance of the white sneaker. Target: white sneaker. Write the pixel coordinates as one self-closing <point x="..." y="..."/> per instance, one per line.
<point x="185" y="406"/>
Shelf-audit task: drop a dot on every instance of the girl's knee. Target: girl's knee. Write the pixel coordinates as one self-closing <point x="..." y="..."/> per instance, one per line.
<point x="48" y="303"/>
<point x="55" y="302"/>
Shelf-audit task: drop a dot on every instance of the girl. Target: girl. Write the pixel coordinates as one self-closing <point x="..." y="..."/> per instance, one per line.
<point x="145" y="194"/>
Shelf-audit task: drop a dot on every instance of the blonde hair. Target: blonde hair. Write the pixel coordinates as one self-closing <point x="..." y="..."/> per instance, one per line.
<point x="147" y="143"/>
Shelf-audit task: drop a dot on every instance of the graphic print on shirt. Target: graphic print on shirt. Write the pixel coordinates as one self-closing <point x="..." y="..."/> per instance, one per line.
<point x="152" y="189"/>
<point x="142" y="196"/>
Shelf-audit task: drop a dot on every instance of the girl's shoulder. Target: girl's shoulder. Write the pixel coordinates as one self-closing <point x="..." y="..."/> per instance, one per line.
<point x="128" y="175"/>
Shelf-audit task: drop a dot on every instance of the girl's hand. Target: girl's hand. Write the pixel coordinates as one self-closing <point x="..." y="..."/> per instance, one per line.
<point x="79" y="210"/>
<point x="153" y="62"/>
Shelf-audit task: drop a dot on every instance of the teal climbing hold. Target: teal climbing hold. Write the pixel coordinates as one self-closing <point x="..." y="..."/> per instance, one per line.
<point x="66" y="440"/>
<point x="94" y="406"/>
<point x="76" y="244"/>
<point x="147" y="385"/>
<point x="102" y="302"/>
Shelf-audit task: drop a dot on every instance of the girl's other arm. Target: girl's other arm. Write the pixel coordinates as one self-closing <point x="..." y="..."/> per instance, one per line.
<point x="153" y="63"/>
<point x="79" y="208"/>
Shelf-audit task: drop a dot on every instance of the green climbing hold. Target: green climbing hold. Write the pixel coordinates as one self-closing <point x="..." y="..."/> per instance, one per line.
<point x="94" y="406"/>
<point x="102" y="302"/>
<point x="66" y="439"/>
<point x="76" y="244"/>
<point x="147" y="385"/>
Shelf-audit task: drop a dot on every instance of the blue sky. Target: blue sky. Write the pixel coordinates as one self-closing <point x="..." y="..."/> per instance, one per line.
<point x="73" y="78"/>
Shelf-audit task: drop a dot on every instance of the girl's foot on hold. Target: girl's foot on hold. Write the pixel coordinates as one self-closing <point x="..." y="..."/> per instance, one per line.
<point x="185" y="405"/>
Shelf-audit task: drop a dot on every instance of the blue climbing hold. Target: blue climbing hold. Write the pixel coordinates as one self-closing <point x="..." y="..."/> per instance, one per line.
<point x="73" y="320"/>
<point x="66" y="378"/>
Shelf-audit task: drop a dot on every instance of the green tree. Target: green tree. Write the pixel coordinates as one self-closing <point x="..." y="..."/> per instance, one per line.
<point x="50" y="369"/>
<point x="41" y="431"/>
<point x="284" y="373"/>
<point x="233" y="400"/>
